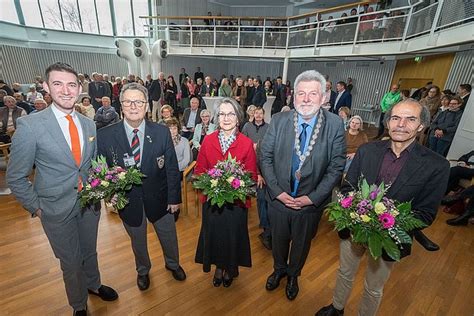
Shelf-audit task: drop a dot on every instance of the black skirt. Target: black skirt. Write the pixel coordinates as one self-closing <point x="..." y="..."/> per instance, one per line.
<point x="224" y="238"/>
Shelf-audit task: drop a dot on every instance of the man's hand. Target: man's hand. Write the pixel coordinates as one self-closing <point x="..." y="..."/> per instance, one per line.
<point x="289" y="201"/>
<point x="98" y="100"/>
<point x="303" y="201"/>
<point x="38" y="213"/>
<point x="173" y="208"/>
<point x="260" y="181"/>
<point x="350" y="156"/>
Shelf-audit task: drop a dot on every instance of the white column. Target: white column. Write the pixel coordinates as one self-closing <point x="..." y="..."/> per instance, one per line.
<point x="284" y="75"/>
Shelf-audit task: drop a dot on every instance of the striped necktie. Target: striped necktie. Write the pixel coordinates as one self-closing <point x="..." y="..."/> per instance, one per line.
<point x="75" y="145"/>
<point x="136" y="147"/>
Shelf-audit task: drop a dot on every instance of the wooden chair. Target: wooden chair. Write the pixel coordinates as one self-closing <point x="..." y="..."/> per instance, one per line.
<point x="5" y="150"/>
<point x="187" y="173"/>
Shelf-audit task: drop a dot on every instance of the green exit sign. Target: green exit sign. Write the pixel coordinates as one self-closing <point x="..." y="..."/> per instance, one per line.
<point x="418" y="59"/>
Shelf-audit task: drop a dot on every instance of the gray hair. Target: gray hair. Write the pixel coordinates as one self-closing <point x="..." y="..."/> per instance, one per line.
<point x="310" y="75"/>
<point x="356" y="117"/>
<point x="425" y="115"/>
<point x="204" y="112"/>
<point x="9" y="97"/>
<point x="134" y="86"/>
<point x="236" y="107"/>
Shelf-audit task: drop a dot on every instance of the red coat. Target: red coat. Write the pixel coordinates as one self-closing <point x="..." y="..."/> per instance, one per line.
<point x="210" y="153"/>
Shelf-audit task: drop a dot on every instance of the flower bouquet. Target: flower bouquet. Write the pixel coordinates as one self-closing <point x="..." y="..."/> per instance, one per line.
<point x="225" y="183"/>
<point x="374" y="220"/>
<point x="109" y="183"/>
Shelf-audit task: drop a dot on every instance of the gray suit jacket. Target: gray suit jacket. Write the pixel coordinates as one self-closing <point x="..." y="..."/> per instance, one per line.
<point x="39" y="141"/>
<point x="321" y="171"/>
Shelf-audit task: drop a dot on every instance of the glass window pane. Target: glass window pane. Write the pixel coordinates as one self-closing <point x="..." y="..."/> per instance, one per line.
<point x="8" y="12"/>
<point x="123" y="15"/>
<point x="105" y="19"/>
<point x="51" y="14"/>
<point x="89" y="21"/>
<point x="140" y="8"/>
<point x="70" y="15"/>
<point x="31" y="12"/>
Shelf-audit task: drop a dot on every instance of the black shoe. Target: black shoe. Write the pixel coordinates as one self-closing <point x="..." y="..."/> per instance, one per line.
<point x="461" y="220"/>
<point x="425" y="242"/>
<point x="292" y="288"/>
<point x="273" y="280"/>
<point x="227" y="281"/>
<point x="106" y="293"/>
<point x="329" y="310"/>
<point x="178" y="274"/>
<point x="176" y="215"/>
<point x="266" y="241"/>
<point x="217" y="281"/>
<point x="82" y="312"/>
<point x="450" y="199"/>
<point x="143" y="282"/>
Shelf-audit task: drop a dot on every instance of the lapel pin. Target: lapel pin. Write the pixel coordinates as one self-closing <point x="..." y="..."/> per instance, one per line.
<point x="91" y="139"/>
<point x="149" y="138"/>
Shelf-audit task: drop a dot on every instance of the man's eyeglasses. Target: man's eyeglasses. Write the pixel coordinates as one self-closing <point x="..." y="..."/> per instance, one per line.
<point x="137" y="103"/>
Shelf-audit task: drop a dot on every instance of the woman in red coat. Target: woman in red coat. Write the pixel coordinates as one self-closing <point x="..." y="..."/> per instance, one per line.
<point x="224" y="238"/>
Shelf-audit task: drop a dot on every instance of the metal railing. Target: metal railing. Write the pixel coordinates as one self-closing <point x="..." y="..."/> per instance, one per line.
<point x="397" y="24"/>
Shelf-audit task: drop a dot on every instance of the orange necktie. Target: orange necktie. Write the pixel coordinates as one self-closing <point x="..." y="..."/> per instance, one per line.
<point x="75" y="145"/>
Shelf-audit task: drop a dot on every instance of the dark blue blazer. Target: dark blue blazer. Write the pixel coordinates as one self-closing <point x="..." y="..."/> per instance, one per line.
<point x="259" y="98"/>
<point x="162" y="184"/>
<point x="345" y="100"/>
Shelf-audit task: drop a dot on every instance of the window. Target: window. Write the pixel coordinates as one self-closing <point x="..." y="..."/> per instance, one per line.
<point x="70" y="14"/>
<point x="140" y="8"/>
<point x="8" y="12"/>
<point x="51" y="14"/>
<point x="123" y="17"/>
<point x="105" y="18"/>
<point x="88" y="17"/>
<point x="31" y="13"/>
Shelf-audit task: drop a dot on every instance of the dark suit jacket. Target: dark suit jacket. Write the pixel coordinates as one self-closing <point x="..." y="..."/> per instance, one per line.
<point x="321" y="171"/>
<point x="422" y="180"/>
<point x="332" y="99"/>
<point x="186" y="114"/>
<point x="154" y="91"/>
<point x="204" y="89"/>
<point x="345" y="100"/>
<point x="161" y="186"/>
<point x="280" y="98"/>
<point x="259" y="97"/>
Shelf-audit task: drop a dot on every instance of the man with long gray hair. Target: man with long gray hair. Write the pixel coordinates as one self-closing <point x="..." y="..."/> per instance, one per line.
<point x="302" y="159"/>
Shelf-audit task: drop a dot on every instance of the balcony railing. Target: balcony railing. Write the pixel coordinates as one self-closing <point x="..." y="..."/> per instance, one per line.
<point x="397" y="24"/>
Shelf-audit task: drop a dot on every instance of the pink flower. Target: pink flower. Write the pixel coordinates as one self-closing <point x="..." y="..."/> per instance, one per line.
<point x="235" y="183"/>
<point x="387" y="220"/>
<point x="95" y="183"/>
<point x="347" y="202"/>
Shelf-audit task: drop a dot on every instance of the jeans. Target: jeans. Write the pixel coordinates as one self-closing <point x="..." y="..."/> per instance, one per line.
<point x="439" y="145"/>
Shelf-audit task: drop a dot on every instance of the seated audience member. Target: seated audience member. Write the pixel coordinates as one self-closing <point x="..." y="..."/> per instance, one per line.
<point x="166" y="113"/>
<point x="344" y="113"/>
<point x="8" y="116"/>
<point x="6" y="88"/>
<point x="106" y="114"/>
<point x="250" y="115"/>
<point x="191" y="118"/>
<point x="405" y="94"/>
<point x="22" y="104"/>
<point x="463" y="219"/>
<point x="208" y="89"/>
<point x="432" y="100"/>
<point x="47" y="98"/>
<point x="444" y="127"/>
<point x="201" y="130"/>
<point x="86" y="108"/>
<point x="40" y="105"/>
<point x="463" y="170"/>
<point x="3" y="94"/>
<point x="355" y="137"/>
<point x="445" y="99"/>
<point x="181" y="144"/>
<point x="32" y="94"/>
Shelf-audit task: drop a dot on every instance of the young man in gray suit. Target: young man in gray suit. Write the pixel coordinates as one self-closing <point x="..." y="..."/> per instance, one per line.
<point x="62" y="161"/>
<point x="302" y="159"/>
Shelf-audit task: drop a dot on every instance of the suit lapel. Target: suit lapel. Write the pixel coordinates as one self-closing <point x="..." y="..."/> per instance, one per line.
<point x="147" y="145"/>
<point x="289" y="143"/>
<point x="85" y="137"/>
<point x="57" y="135"/>
<point x="122" y="139"/>
<point x="409" y="170"/>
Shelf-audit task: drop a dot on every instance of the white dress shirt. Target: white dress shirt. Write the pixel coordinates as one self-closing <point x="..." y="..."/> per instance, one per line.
<point x="64" y="124"/>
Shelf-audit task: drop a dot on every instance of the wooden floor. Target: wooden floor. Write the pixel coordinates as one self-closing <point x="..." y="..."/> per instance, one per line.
<point x="439" y="283"/>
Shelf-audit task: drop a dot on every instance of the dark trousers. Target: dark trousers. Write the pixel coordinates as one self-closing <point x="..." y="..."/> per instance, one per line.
<point x="292" y="232"/>
<point x="262" y="206"/>
<point x="381" y="124"/>
<point x="457" y="173"/>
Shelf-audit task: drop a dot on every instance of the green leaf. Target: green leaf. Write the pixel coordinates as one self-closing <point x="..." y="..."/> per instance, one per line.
<point x="365" y="189"/>
<point x="404" y="208"/>
<point x="360" y="236"/>
<point x="375" y="245"/>
<point x="403" y="236"/>
<point x="391" y="249"/>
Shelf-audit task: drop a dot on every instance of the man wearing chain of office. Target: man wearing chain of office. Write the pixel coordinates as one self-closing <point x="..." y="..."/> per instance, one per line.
<point x="303" y="155"/>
